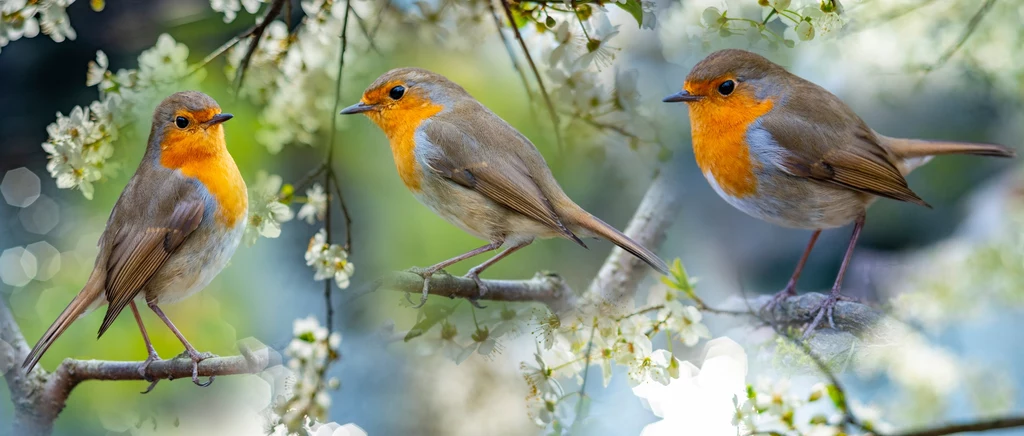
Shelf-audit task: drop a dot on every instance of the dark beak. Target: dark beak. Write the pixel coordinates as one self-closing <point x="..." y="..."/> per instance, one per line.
<point x="357" y="108"/>
<point x="217" y="119"/>
<point x="682" y="96"/>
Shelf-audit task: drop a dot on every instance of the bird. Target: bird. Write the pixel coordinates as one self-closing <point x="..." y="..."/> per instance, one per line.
<point x="789" y="152"/>
<point x="476" y="171"/>
<point x="173" y="229"/>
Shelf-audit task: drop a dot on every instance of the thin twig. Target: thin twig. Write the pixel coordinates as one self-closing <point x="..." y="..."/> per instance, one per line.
<point x="366" y="31"/>
<point x="512" y="56"/>
<point x="972" y="25"/>
<point x="536" y="74"/>
<point x="256" y="33"/>
<point x="344" y="212"/>
<point x="329" y="161"/>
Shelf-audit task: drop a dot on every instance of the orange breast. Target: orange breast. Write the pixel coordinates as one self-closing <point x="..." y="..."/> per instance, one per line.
<point x="719" y="128"/>
<point x="201" y="157"/>
<point x="400" y="127"/>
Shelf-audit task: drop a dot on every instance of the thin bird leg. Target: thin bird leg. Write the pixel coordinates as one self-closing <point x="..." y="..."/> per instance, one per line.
<point x="833" y="297"/>
<point x="790" y="289"/>
<point x="153" y="356"/>
<point x="192" y="353"/>
<point x="427" y="272"/>
<point x="474" y="273"/>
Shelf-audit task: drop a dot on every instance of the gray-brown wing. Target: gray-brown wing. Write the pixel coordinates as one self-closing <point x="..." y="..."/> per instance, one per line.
<point x="834" y="146"/>
<point x="137" y="253"/>
<point x="501" y="177"/>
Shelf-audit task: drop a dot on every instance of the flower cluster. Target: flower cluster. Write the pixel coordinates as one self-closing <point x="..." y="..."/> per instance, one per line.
<point x="576" y="41"/>
<point x="81" y="143"/>
<point x="802" y="22"/>
<point x="25" y="19"/>
<point x="329" y="261"/>
<point x="293" y="75"/>
<point x="311" y="350"/>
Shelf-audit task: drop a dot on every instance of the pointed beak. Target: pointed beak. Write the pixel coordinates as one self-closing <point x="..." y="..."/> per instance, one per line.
<point x="682" y="96"/>
<point x="358" y="108"/>
<point x="217" y="119"/>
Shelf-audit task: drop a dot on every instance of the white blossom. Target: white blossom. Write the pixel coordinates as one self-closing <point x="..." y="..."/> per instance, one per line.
<point x="599" y="52"/>
<point x="266" y="212"/>
<point x="316" y="204"/>
<point x="230" y="8"/>
<point x="329" y="261"/>
<point x="165" y="63"/>
<point x="685" y="321"/>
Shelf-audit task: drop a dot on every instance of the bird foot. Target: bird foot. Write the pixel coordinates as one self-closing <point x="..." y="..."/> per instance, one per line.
<point x="426" y="274"/>
<point x="825" y="310"/>
<point x="197" y="357"/>
<point x="144" y="371"/>
<point x="777" y="299"/>
<point x="480" y="286"/>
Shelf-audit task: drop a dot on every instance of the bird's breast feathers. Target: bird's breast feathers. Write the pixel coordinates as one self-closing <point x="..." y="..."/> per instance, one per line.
<point x="720" y="143"/>
<point x="220" y="177"/>
<point x="401" y="129"/>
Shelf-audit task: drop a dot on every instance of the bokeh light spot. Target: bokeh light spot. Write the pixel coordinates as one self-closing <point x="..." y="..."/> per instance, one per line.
<point x="20" y="187"/>
<point x="47" y="260"/>
<point x="40" y="217"/>
<point x="17" y="266"/>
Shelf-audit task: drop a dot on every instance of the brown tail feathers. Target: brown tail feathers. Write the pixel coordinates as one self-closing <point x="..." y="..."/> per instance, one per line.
<point x="602" y="229"/>
<point x="912" y="148"/>
<point x="81" y="302"/>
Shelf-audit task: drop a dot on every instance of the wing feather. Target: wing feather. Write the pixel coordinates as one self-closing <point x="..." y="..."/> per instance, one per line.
<point x="503" y="178"/>
<point x="137" y="255"/>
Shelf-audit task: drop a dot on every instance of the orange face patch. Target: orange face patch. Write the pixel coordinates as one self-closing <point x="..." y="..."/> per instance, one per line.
<point x="719" y="124"/>
<point x="399" y="120"/>
<point x="201" y="153"/>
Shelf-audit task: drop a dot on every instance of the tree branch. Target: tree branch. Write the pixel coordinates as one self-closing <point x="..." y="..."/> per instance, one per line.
<point x="39" y="397"/>
<point x="622" y="272"/>
<point x="981" y="425"/>
<point x="536" y="73"/>
<point x="256" y="33"/>
<point x="547" y="288"/>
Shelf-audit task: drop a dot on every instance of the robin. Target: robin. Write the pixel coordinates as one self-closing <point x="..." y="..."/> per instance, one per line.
<point x="172" y="230"/>
<point x="475" y="170"/>
<point x="787" y="151"/>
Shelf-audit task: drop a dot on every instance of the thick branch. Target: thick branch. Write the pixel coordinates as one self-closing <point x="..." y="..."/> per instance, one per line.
<point x="39" y="397"/>
<point x="621" y="272"/>
<point x="982" y="425"/>
<point x="546" y="288"/>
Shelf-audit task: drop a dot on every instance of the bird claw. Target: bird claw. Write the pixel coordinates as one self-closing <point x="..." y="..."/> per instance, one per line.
<point x="197" y="357"/>
<point x="777" y="300"/>
<point x="144" y="371"/>
<point x="426" y="274"/>
<point x="481" y="289"/>
<point x="826" y="309"/>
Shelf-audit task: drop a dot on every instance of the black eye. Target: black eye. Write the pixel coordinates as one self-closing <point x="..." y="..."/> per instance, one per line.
<point x="396" y="92"/>
<point x="181" y="122"/>
<point x="726" y="87"/>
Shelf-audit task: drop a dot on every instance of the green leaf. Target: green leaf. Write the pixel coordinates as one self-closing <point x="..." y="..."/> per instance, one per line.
<point x="635" y="9"/>
<point x="837" y="397"/>
<point x="431" y="316"/>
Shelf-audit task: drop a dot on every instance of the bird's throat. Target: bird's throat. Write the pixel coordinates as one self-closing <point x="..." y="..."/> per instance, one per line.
<point x="400" y="127"/>
<point x="720" y="144"/>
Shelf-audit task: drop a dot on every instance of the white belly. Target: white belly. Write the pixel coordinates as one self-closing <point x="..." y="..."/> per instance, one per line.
<point x="183" y="276"/>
